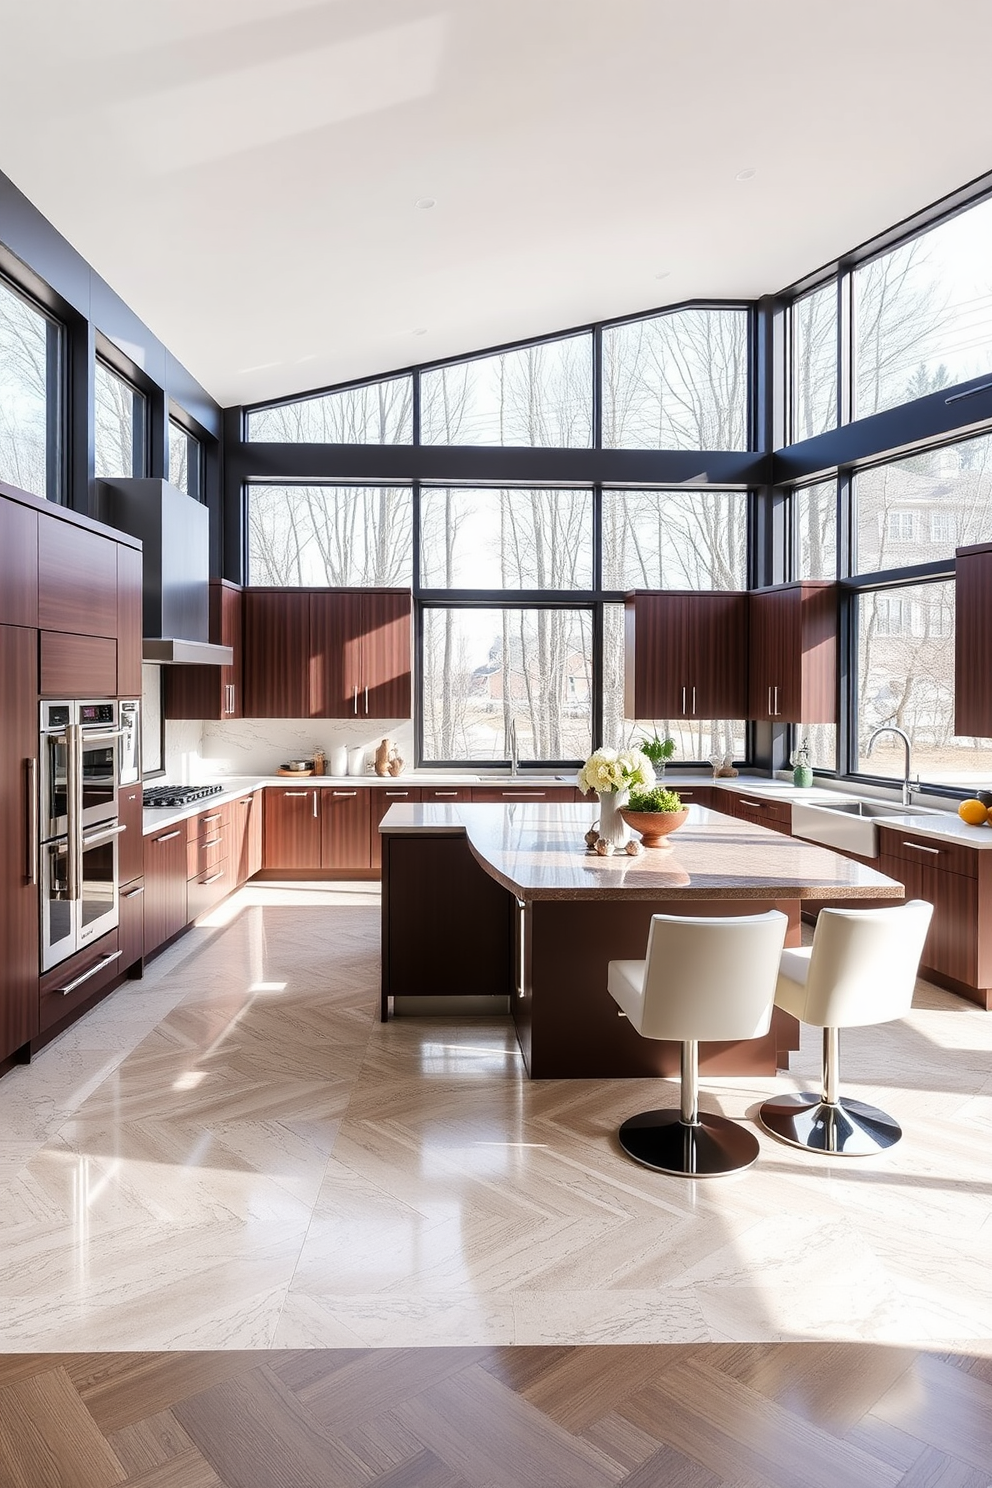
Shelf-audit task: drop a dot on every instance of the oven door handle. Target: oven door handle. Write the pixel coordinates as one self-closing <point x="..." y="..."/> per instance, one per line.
<point x="91" y="736"/>
<point x="104" y="835"/>
<point x="74" y="808"/>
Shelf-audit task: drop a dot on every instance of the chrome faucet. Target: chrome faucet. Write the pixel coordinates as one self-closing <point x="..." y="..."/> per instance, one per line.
<point x="511" y="739"/>
<point x="890" y="728"/>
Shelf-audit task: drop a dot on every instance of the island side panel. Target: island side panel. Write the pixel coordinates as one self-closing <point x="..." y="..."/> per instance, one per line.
<point x="447" y="927"/>
<point x="567" y="1022"/>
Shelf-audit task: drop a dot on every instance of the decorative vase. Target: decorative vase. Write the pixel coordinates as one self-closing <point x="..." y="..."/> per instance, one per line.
<point x="613" y="830"/>
<point x="802" y="776"/>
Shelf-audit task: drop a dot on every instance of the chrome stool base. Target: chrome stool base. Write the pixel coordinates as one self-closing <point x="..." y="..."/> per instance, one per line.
<point x="848" y="1128"/>
<point x="663" y="1141"/>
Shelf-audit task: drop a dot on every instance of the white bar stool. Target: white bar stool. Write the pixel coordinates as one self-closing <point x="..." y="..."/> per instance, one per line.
<point x="701" y="979"/>
<point x="860" y="969"/>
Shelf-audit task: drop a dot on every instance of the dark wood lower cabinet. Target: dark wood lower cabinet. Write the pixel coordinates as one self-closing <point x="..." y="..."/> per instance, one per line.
<point x="18" y="828"/>
<point x="292" y="828"/>
<point x="380" y="800"/>
<point x="777" y="815"/>
<point x="69" y="988"/>
<point x="957" y="881"/>
<point x="165" y="886"/>
<point x="345" y="828"/>
<point x="209" y="887"/>
<point x="132" y="927"/>
<point x="246" y="836"/>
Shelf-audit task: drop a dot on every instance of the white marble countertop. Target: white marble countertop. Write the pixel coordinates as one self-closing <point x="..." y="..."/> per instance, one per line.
<point x="537" y="852"/>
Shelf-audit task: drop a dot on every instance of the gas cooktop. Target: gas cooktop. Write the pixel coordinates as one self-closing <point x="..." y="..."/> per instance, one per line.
<point x="177" y="795"/>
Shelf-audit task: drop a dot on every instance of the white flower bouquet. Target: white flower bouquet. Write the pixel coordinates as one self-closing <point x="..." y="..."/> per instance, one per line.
<point x="615" y="770"/>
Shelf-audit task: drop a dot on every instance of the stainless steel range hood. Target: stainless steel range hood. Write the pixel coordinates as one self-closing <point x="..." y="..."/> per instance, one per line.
<point x="175" y="535"/>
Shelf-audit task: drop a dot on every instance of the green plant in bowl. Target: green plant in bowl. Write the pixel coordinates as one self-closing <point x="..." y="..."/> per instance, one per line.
<point x="655" y="813"/>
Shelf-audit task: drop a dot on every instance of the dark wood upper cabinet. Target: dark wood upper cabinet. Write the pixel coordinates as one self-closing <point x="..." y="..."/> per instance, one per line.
<point x="18" y="829"/>
<point x="214" y="692"/>
<point x="793" y="653"/>
<point x="77" y="579"/>
<point x="335" y="654"/>
<point x="128" y="621"/>
<point x="18" y="564"/>
<point x="78" y="666"/>
<point x="972" y="629"/>
<point x="686" y="655"/>
<point x="276" y="653"/>
<point x="387" y="655"/>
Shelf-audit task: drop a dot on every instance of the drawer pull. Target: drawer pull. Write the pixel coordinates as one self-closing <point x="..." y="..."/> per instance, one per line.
<point x="216" y="817"/>
<point x="761" y="805"/>
<point x="133" y="893"/>
<point x="918" y="847"/>
<point x="167" y="838"/>
<point x="522" y="795"/>
<point x="78" y="981"/>
<point x="439" y="794"/>
<point x="344" y="793"/>
<point x="398" y="793"/>
<point x="211" y="841"/>
<point x="213" y="878"/>
<point x="296" y="793"/>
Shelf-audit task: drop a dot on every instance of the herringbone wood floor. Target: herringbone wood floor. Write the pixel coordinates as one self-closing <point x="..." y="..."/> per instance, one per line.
<point x="692" y="1416"/>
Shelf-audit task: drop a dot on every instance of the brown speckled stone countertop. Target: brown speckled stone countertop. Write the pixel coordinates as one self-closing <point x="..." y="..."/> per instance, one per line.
<point x="538" y="852"/>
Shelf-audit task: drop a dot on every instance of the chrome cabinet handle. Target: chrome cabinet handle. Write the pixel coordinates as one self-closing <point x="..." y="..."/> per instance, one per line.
<point x="167" y="838"/>
<point x="339" y="793"/>
<point x="683" y="702"/>
<point x="356" y="697"/>
<point x="78" y="981"/>
<point x="769" y="702"/>
<point x="445" y="793"/>
<point x="918" y="846"/>
<point x="693" y="702"/>
<point x="366" y="702"/>
<point x="761" y="805"/>
<point x="296" y="793"/>
<point x="215" y="817"/>
<point x="212" y="879"/>
<point x="211" y="842"/>
<point x="32" y="821"/>
<point x="776" y="700"/>
<point x="397" y="793"/>
<point x="522" y="795"/>
<point x="315" y="804"/>
<point x="133" y="893"/>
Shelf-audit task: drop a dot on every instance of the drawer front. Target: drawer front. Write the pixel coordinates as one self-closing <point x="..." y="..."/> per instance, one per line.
<point x="774" y="814"/>
<point x="205" y="853"/>
<point x="702" y="795"/>
<point x="132" y="925"/>
<point x="950" y="857"/>
<point x="534" y="793"/>
<point x="444" y="795"/>
<point x="209" y="823"/>
<point x="69" y="986"/>
<point x="208" y="889"/>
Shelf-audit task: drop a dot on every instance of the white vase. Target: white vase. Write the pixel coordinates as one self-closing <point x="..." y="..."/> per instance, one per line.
<point x="337" y="760"/>
<point x="612" y="827"/>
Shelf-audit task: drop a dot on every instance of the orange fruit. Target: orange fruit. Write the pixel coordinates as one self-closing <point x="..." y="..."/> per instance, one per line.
<point x="974" y="813"/>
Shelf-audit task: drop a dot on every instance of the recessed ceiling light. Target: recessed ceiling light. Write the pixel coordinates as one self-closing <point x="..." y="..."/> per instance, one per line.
<point x="424" y="202"/>
<point x="419" y="331"/>
<point x="746" y="174"/>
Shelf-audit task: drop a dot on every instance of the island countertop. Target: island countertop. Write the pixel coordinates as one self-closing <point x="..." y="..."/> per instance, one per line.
<point x="537" y="852"/>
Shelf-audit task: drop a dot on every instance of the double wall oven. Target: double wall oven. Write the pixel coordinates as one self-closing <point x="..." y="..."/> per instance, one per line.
<point x="88" y="749"/>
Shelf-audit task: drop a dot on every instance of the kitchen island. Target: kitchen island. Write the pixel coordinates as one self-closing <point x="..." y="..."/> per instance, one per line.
<point x="504" y="900"/>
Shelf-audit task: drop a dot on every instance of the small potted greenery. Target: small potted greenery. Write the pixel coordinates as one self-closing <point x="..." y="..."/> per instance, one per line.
<point x="658" y="750"/>
<point x="802" y="771"/>
<point x="655" y="813"/>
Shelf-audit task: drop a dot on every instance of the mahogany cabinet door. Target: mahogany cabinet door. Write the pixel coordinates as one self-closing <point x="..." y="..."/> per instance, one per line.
<point x="656" y="680"/>
<point x="131" y="860"/>
<point x="291" y="835"/>
<point x="716" y="655"/>
<point x="227" y="628"/>
<point x="129" y="622"/>
<point x="78" y="666"/>
<point x="237" y="837"/>
<point x="972" y="628"/>
<point x="18" y="564"/>
<point x="18" y="831"/>
<point x="132" y="924"/>
<point x="77" y="579"/>
<point x="766" y="617"/>
<point x="380" y="800"/>
<point x="194" y="692"/>
<point x="276" y="653"/>
<point x="344" y="828"/>
<point x="336" y="655"/>
<point x="387" y="654"/>
<point x="813" y="681"/>
<point x="165" y="885"/>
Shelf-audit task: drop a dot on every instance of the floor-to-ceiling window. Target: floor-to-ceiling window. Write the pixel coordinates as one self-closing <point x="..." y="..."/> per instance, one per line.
<point x="31" y="345"/>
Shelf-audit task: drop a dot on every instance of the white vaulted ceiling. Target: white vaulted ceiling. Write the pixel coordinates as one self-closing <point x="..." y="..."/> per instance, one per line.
<point x="245" y="173"/>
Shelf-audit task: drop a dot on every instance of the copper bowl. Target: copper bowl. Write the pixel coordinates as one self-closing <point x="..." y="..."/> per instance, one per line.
<point x="654" y="826"/>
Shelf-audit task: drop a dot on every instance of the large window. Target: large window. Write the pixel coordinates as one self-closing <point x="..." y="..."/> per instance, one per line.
<point x="905" y="677"/>
<point x="30" y="415"/>
<point x="920" y="509"/>
<point x="674" y="539"/>
<point x="923" y="313"/>
<point x="515" y="538"/>
<point x="119" y="435"/>
<point x="677" y="381"/>
<point x="485" y="672"/>
<point x="374" y="413"/>
<point x="814" y="362"/>
<point x="815" y="522"/>
<point x="537" y="395"/>
<point x="329" y="534"/>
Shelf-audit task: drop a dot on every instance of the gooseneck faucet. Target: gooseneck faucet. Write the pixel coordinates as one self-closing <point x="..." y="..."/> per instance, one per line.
<point x="890" y="728"/>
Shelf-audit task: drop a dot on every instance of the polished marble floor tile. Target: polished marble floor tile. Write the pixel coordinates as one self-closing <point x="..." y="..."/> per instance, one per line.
<point x="235" y="1153"/>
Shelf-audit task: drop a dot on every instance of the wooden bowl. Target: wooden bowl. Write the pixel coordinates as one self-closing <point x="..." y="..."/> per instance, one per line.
<point x="654" y="826"/>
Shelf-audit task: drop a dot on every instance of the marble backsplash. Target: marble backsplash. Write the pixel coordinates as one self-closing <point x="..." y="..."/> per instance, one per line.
<point x="258" y="746"/>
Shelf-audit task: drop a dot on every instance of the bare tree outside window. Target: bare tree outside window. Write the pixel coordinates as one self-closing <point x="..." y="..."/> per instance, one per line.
<point x="375" y="413"/>
<point x="814" y="362"/>
<point x="505" y="538"/>
<point x="537" y="395"/>
<point x="815" y="516"/>
<point x="674" y="539"/>
<point x="340" y="536"/>
<point x="920" y="509"/>
<point x="906" y="678"/>
<point x="184" y="461"/>
<point x="677" y="381"/>
<point x="23" y="394"/>
<point x="119" y="414"/>
<point x="484" y="669"/>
